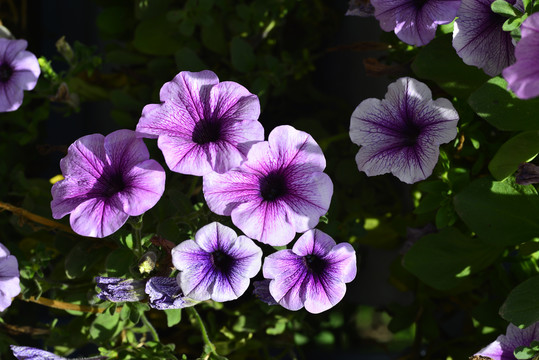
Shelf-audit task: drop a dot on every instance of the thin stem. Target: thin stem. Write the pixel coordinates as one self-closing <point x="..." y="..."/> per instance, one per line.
<point x="207" y="340"/>
<point x="57" y="304"/>
<point x="35" y="218"/>
<point x="136" y="224"/>
<point x="150" y="327"/>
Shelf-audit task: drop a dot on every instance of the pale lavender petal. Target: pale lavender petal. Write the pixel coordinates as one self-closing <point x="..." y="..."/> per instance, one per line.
<point x="215" y="236"/>
<point x="9" y="280"/>
<point x="323" y="292"/>
<point x="314" y="242"/>
<point x="414" y="22"/>
<point x="479" y="38"/>
<point x="11" y="95"/>
<point x="124" y="150"/>
<point x="4" y="251"/>
<point x="26" y="80"/>
<point x="292" y="147"/>
<point x="9" y="49"/>
<point x="401" y="134"/>
<point x="523" y="76"/>
<point x="343" y="261"/>
<point x="85" y="158"/>
<point x="27" y="62"/>
<point x="97" y="217"/>
<point x="190" y="91"/>
<point x="231" y="101"/>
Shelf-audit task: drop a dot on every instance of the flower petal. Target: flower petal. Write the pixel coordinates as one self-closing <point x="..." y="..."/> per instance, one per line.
<point x="97" y="217"/>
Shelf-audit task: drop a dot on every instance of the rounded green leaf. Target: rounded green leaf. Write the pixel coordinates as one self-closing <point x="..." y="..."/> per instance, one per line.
<point x="520" y="148"/>
<point x="521" y="306"/>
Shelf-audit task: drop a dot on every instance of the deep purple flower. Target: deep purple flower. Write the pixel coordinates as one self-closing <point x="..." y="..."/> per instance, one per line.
<point x="19" y="70"/>
<point x="503" y="347"/>
<point x="523" y="76"/>
<point x="402" y="133"/>
<point x="313" y="274"/>
<point x="119" y="290"/>
<point x="165" y="293"/>
<point x="479" y="38"/>
<point x="202" y="125"/>
<point x="414" y="21"/>
<point x="278" y="191"/>
<point x="9" y="278"/>
<point x="217" y="265"/>
<point x="262" y="292"/>
<point x="107" y="179"/>
<point x="30" y="353"/>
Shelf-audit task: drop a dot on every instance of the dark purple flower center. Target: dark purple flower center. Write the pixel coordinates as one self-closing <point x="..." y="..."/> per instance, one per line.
<point x="222" y="261"/>
<point x="315" y="264"/>
<point x="273" y="186"/>
<point x="410" y="133"/>
<point x="419" y="3"/>
<point x="207" y="131"/>
<point x="113" y="184"/>
<point x="5" y="72"/>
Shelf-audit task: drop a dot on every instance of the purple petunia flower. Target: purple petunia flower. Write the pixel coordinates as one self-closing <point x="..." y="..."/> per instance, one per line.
<point x="119" y="290"/>
<point x="523" y="76"/>
<point x="9" y="278"/>
<point x="278" y="191"/>
<point x="479" y="38"/>
<point x="107" y="179"/>
<point x="313" y="274"/>
<point x="30" y="353"/>
<point x="202" y="125"/>
<point x="19" y="71"/>
<point x="217" y="265"/>
<point x="504" y="346"/>
<point x="402" y="133"/>
<point x="165" y="293"/>
<point x="414" y="21"/>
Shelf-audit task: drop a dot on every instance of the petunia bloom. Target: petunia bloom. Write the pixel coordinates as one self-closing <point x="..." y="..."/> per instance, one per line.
<point x="107" y="179"/>
<point x="504" y="346"/>
<point x="313" y="274"/>
<point x="202" y="125"/>
<point x="278" y="191"/>
<point x="217" y="265"/>
<point x="523" y="76"/>
<point x="9" y="278"/>
<point x="165" y="293"/>
<point x="414" y="21"/>
<point x="402" y="133"/>
<point x="19" y="71"/>
<point x="479" y="39"/>
<point x="119" y="290"/>
<point x="30" y="353"/>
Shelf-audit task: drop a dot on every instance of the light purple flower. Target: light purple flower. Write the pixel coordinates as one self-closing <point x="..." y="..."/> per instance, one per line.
<point x="523" y="76"/>
<point x="165" y="293"/>
<point x="9" y="278"/>
<point x="30" y="353"/>
<point x="217" y="265"/>
<point x="202" y="125"/>
<point x="278" y="191"/>
<point x="479" y="38"/>
<point x="414" y="21"/>
<point x="119" y="290"/>
<point x="504" y="345"/>
<point x="19" y="70"/>
<point x="402" y="133"/>
<point x="107" y="179"/>
<point x="313" y="274"/>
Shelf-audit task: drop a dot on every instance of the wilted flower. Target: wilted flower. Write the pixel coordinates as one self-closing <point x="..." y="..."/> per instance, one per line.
<point x="202" y="125"/>
<point x="362" y="8"/>
<point x="527" y="174"/>
<point x="262" y="292"/>
<point x="402" y="133"/>
<point x="19" y="71"/>
<point x="107" y="179"/>
<point x="165" y="293"/>
<point x="504" y="346"/>
<point x="278" y="191"/>
<point x="479" y="38"/>
<point x="9" y="278"/>
<point x="523" y="76"/>
<point x="313" y="274"/>
<point x="413" y="21"/>
<point x="30" y="353"/>
<point x="118" y="290"/>
<point x="217" y="265"/>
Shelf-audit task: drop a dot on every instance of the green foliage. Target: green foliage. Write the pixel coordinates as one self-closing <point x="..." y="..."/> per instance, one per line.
<point x="520" y="308"/>
<point x="520" y="148"/>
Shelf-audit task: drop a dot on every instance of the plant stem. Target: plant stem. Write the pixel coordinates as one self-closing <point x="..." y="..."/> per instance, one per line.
<point x="136" y="224"/>
<point x="35" y="218"/>
<point x="207" y="340"/>
<point x="57" y="304"/>
<point x="150" y="327"/>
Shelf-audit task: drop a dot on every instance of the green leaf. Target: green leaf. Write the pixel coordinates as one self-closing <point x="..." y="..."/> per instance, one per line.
<point x="503" y="8"/>
<point x="242" y="55"/>
<point x="105" y="326"/>
<point x="118" y="262"/>
<point x="438" y="61"/>
<point x="174" y="316"/>
<point x="187" y="59"/>
<point x="521" y="306"/>
<point x="520" y="148"/>
<point x="279" y="327"/>
<point x="79" y="260"/>
<point x="156" y="36"/>
<point x="441" y="259"/>
<point x="501" y="213"/>
<point x="502" y="109"/>
<point x="523" y="353"/>
<point x="512" y="24"/>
